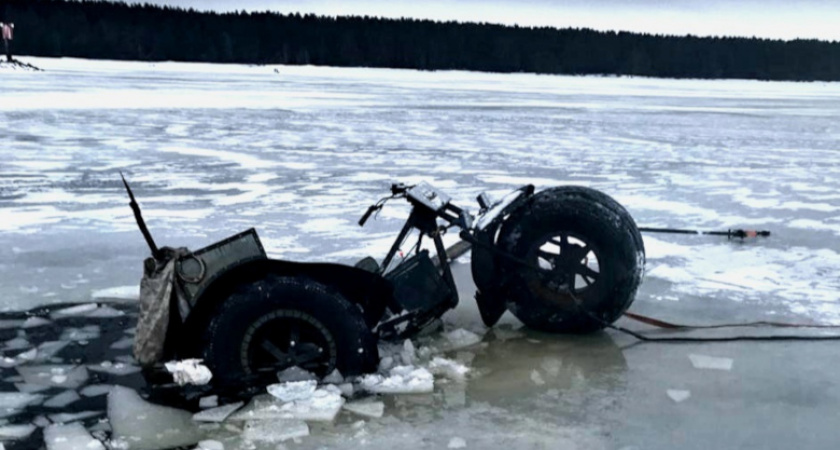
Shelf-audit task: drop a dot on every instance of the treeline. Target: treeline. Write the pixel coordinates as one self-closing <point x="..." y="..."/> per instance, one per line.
<point x="106" y="30"/>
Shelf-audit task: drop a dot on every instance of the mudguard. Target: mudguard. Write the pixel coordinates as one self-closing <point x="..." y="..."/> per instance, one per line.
<point x="368" y="290"/>
<point x="485" y="264"/>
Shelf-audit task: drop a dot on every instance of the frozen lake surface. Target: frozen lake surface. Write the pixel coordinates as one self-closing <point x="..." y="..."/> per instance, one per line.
<point x="300" y="152"/>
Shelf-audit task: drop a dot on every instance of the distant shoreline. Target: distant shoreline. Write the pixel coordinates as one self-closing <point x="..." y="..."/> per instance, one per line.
<point x="119" y="31"/>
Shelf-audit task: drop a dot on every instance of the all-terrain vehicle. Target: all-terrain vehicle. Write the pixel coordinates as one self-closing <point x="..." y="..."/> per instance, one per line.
<point x="565" y="260"/>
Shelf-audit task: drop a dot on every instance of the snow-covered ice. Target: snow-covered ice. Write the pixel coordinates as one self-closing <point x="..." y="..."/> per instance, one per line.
<point x="448" y="368"/>
<point x="400" y="380"/>
<point x="293" y="390"/>
<point x="189" y="371"/>
<point x="213" y="150"/>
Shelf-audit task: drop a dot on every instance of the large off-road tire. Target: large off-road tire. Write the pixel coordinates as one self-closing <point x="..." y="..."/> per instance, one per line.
<point x="588" y="250"/>
<point x="282" y="322"/>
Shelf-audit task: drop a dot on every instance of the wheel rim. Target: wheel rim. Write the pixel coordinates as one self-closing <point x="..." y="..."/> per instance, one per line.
<point x="285" y="339"/>
<point x="568" y="262"/>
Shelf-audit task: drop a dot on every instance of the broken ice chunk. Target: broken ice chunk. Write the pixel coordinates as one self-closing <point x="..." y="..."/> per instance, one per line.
<point x="217" y="414"/>
<point x="105" y="312"/>
<point x="333" y="378"/>
<point x="70" y="437"/>
<point x="6" y="324"/>
<point x="537" y="378"/>
<point x="117" y="369"/>
<point x="148" y="426"/>
<point x="79" y="310"/>
<point x="8" y="363"/>
<point x="70" y="377"/>
<point x="34" y="322"/>
<point x="457" y="442"/>
<point x="275" y="430"/>
<point x="710" y="362"/>
<point x="8" y="432"/>
<point x="49" y="349"/>
<point x="408" y="353"/>
<point x="30" y="388"/>
<point x="17" y="343"/>
<point x="189" y="371"/>
<point x="448" y="368"/>
<point x="210" y="445"/>
<point x="95" y="390"/>
<point x="211" y="401"/>
<point x="123" y="344"/>
<point x="73" y="417"/>
<point x="366" y="408"/>
<point x="295" y="374"/>
<point x="28" y="355"/>
<point x="87" y="333"/>
<point x="62" y="400"/>
<point x="294" y="390"/>
<point x="678" y="395"/>
<point x="401" y="380"/>
<point x="131" y="292"/>
<point x="41" y="422"/>
<point x="322" y="406"/>
<point x="461" y="338"/>
<point x="12" y="402"/>
<point x="346" y="389"/>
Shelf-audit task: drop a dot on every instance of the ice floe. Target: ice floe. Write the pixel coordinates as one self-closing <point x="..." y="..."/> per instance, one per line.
<point x="70" y="437"/>
<point x="62" y="400"/>
<point x="114" y="368"/>
<point x="217" y="414"/>
<point x="35" y="322"/>
<point x="131" y="292"/>
<point x="95" y="390"/>
<point x="12" y="403"/>
<point x="74" y="311"/>
<point x="9" y="432"/>
<point x="73" y="417"/>
<point x="66" y="376"/>
<point x="366" y="408"/>
<point x="144" y="426"/>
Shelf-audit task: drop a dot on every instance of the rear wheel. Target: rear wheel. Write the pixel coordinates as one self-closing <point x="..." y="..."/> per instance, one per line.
<point x="584" y="247"/>
<point x="282" y="322"/>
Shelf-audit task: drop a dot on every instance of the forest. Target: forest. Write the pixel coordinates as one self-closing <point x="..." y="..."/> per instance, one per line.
<point x="116" y="30"/>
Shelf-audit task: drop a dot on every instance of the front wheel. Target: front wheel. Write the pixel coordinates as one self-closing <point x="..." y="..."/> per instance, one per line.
<point x="581" y="246"/>
<point x="282" y="322"/>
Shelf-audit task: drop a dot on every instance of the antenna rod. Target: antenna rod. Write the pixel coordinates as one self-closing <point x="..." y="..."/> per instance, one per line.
<point x="138" y="216"/>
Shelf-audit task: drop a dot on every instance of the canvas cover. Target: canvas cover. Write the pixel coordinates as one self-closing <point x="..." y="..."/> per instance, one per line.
<point x="158" y="289"/>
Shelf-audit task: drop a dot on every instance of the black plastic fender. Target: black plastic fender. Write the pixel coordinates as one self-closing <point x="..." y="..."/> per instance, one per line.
<point x="370" y="291"/>
<point x="485" y="264"/>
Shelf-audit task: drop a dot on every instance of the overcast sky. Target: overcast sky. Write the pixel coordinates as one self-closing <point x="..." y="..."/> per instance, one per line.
<point x="785" y="19"/>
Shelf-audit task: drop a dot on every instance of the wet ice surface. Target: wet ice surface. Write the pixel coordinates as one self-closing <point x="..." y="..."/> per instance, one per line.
<point x="212" y="150"/>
